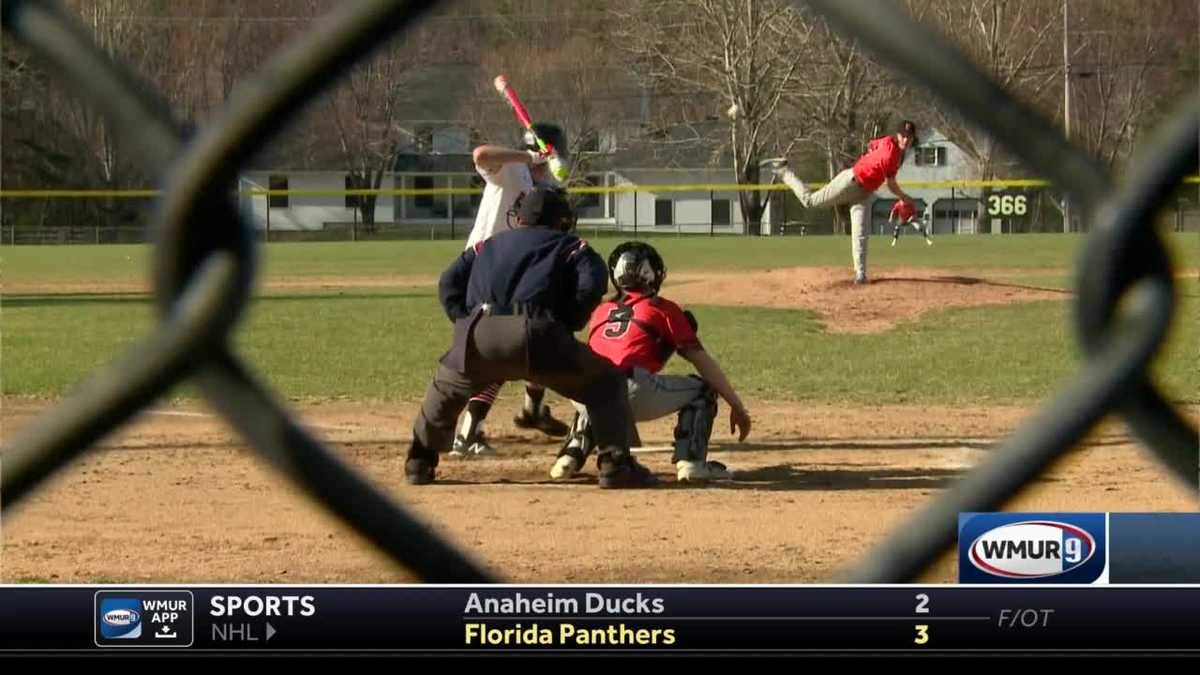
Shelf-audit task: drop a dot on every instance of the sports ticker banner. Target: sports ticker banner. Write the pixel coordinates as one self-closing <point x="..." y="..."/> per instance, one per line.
<point x="644" y="619"/>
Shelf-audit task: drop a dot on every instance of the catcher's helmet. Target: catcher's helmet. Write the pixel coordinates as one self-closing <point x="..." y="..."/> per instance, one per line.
<point x="636" y="266"/>
<point x="551" y="134"/>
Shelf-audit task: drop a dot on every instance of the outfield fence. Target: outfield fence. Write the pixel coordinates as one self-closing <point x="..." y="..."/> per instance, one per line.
<point x="1000" y="206"/>
<point x="205" y="259"/>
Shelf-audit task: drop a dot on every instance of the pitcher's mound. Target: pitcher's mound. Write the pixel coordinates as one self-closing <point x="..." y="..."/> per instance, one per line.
<point x="894" y="294"/>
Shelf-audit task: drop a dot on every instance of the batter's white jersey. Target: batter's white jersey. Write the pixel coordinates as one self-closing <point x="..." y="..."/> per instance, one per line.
<point x="502" y="189"/>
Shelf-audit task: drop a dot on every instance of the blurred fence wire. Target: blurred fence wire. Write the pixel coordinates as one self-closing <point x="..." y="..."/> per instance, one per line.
<point x="205" y="261"/>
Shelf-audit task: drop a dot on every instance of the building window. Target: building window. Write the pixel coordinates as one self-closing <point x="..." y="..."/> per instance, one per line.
<point x="423" y="183"/>
<point x="277" y="183"/>
<point x="722" y="210"/>
<point x="477" y="183"/>
<point x="463" y="205"/>
<point x="931" y="155"/>
<point x="588" y="200"/>
<point x="424" y="138"/>
<point x="352" y="201"/>
<point x="664" y="212"/>
<point x="589" y="141"/>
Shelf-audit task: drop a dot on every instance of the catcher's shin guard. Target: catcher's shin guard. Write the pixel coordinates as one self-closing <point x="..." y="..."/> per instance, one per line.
<point x="693" y="427"/>
<point x="579" y="442"/>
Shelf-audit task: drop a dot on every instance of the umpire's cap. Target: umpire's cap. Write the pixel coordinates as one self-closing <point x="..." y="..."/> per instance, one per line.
<point x="551" y="134"/>
<point x="545" y="207"/>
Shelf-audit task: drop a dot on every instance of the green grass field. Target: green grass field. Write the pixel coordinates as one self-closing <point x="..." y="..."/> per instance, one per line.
<point x="131" y="263"/>
<point x="382" y="343"/>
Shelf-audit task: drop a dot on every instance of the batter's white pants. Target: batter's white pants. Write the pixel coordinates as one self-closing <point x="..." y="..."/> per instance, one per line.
<point x="843" y="189"/>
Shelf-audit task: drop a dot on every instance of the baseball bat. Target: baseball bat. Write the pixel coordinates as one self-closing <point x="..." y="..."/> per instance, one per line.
<point x="518" y="108"/>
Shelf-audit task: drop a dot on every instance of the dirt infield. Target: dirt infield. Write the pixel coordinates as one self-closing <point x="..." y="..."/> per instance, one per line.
<point x="176" y="498"/>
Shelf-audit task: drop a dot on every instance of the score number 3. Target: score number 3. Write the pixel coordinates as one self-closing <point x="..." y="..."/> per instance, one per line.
<point x="1007" y="205"/>
<point x="922" y="629"/>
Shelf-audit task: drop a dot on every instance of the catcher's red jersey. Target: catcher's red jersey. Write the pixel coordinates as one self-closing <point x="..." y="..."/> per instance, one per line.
<point x="640" y="331"/>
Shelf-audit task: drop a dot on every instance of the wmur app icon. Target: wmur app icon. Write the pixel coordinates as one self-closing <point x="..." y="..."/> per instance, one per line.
<point x="1059" y="548"/>
<point x="120" y="618"/>
<point x="144" y="618"/>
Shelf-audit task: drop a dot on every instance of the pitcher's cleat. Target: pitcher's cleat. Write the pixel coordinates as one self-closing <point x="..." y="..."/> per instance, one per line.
<point x="774" y="163"/>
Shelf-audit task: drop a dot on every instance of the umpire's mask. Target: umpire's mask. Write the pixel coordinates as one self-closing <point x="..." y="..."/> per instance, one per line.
<point x="542" y="207"/>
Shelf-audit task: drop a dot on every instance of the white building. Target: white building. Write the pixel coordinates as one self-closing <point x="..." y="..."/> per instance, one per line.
<point x="317" y="205"/>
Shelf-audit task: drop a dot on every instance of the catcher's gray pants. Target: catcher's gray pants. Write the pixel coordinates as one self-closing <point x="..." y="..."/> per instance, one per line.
<point x="653" y="396"/>
<point x="504" y="348"/>
<point x="843" y="189"/>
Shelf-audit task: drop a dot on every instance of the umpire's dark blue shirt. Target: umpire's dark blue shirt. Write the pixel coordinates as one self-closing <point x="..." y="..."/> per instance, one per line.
<point x="529" y="266"/>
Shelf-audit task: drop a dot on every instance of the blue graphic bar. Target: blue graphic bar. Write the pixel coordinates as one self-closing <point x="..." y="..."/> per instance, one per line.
<point x="1154" y="548"/>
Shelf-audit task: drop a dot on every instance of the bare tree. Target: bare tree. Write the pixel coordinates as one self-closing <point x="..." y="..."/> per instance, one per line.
<point x="734" y="52"/>
<point x="566" y="72"/>
<point x="1128" y="61"/>
<point x="368" y="134"/>
<point x="1013" y="42"/>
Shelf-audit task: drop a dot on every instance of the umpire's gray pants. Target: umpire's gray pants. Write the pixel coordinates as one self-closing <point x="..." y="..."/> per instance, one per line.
<point x="843" y="189"/>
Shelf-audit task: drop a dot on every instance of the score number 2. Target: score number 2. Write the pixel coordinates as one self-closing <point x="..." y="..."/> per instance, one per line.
<point x="922" y="629"/>
<point x="1007" y="205"/>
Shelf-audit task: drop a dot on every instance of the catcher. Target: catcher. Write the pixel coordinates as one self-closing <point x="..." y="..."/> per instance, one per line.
<point x="637" y="331"/>
<point x="903" y="214"/>
<point x="516" y="300"/>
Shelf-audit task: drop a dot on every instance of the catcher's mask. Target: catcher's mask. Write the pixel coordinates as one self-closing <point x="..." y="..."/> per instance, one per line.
<point x="636" y="266"/>
<point x="542" y="207"/>
<point x="551" y="134"/>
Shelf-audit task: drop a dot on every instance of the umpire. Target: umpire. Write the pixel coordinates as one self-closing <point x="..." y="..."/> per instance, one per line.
<point x="516" y="300"/>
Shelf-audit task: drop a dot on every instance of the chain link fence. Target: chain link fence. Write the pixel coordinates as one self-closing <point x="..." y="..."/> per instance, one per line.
<point x="205" y="261"/>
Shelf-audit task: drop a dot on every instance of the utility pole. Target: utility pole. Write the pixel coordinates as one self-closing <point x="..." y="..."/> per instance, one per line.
<point x="1066" y="111"/>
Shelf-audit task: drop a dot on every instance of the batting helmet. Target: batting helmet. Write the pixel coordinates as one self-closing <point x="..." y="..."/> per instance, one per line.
<point x="636" y="266"/>
<point x="551" y="134"/>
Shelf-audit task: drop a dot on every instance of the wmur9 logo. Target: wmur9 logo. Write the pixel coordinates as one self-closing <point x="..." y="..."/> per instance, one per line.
<point x="1032" y="548"/>
<point x="121" y="619"/>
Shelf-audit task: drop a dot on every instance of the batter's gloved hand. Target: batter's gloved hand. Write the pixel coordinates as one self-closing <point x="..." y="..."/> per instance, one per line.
<point x="739" y="422"/>
<point x="537" y="157"/>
